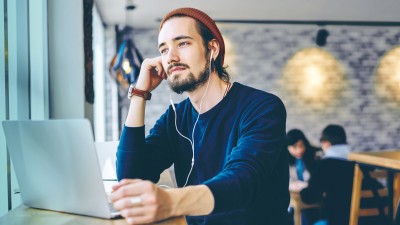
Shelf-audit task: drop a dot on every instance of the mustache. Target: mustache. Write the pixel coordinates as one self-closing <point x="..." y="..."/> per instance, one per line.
<point x="176" y="64"/>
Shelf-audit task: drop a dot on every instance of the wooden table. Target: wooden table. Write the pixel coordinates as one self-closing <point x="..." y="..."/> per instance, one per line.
<point x="23" y="215"/>
<point x="388" y="160"/>
<point x="298" y="205"/>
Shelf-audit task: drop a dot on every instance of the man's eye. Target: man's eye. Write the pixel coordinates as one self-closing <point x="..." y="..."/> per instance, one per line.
<point x="183" y="44"/>
<point x="163" y="51"/>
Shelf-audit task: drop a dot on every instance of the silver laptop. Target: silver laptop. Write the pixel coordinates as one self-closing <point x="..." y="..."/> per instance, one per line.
<point x="57" y="166"/>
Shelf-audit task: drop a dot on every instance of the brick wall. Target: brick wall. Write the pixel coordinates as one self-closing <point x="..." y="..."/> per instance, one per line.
<point x="258" y="54"/>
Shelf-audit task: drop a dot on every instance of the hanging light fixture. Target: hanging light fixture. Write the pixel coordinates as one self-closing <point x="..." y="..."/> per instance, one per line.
<point x="125" y="65"/>
<point x="322" y="36"/>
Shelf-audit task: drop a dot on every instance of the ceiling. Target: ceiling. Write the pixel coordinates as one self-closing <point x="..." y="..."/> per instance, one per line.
<point x="149" y="12"/>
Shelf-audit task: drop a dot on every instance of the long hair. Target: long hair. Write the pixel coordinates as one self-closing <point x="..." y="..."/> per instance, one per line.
<point x="309" y="155"/>
<point x="207" y="36"/>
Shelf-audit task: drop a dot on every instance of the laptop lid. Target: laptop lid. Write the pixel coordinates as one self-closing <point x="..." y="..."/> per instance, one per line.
<point x="56" y="166"/>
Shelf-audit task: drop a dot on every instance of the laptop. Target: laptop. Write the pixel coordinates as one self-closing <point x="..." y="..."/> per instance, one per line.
<point x="57" y="166"/>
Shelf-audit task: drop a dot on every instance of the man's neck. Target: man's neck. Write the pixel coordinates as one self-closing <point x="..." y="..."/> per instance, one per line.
<point x="212" y="96"/>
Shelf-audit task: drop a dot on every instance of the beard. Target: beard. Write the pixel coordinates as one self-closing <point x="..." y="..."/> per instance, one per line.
<point x="190" y="83"/>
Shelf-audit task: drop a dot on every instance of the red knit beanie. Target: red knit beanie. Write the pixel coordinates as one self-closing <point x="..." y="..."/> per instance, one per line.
<point x="205" y="20"/>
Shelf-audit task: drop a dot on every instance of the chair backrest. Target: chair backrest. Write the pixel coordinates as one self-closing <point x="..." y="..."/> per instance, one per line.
<point x="373" y="199"/>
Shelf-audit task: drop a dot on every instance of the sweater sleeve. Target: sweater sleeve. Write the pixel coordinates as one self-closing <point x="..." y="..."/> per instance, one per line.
<point x="249" y="166"/>
<point x="144" y="158"/>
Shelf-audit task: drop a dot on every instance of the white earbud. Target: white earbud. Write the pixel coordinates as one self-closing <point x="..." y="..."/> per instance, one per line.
<point x="172" y="103"/>
<point x="212" y="52"/>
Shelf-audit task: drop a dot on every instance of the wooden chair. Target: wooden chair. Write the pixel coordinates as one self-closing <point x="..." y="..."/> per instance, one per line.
<point x="298" y="205"/>
<point x="374" y="211"/>
<point x="360" y="210"/>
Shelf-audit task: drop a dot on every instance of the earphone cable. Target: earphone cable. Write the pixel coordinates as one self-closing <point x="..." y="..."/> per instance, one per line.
<point x="194" y="126"/>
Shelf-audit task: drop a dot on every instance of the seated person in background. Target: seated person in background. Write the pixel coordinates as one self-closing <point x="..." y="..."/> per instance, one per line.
<point x="302" y="160"/>
<point x="332" y="181"/>
<point x="302" y="155"/>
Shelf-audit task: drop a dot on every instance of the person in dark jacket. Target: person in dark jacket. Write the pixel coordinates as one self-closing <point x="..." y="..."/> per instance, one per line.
<point x="332" y="181"/>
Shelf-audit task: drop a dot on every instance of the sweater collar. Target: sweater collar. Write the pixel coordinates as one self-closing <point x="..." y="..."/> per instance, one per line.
<point x="338" y="151"/>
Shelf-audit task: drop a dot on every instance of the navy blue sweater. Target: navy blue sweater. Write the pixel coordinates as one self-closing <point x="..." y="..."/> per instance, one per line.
<point x="239" y="149"/>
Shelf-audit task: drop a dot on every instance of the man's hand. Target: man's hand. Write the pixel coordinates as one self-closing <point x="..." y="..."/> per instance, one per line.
<point x="142" y="201"/>
<point x="151" y="74"/>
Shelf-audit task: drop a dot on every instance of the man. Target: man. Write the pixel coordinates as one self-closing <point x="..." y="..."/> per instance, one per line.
<point x="226" y="141"/>
<point x="332" y="179"/>
<point x="332" y="182"/>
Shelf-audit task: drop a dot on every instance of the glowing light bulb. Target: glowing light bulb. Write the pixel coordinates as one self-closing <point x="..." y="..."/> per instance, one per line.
<point x="126" y="66"/>
<point x="314" y="77"/>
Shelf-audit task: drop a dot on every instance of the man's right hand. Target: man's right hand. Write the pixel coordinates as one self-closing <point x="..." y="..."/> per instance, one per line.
<point x="151" y="74"/>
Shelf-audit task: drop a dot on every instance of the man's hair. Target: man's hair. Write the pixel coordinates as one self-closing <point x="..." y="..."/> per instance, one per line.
<point x="335" y="134"/>
<point x="207" y="36"/>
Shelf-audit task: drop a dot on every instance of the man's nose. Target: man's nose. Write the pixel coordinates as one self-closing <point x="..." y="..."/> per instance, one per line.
<point x="172" y="56"/>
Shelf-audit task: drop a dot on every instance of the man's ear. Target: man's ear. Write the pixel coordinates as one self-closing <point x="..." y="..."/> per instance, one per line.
<point x="213" y="45"/>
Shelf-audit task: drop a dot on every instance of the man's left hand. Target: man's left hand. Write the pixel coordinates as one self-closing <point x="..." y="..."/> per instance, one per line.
<point x="141" y="201"/>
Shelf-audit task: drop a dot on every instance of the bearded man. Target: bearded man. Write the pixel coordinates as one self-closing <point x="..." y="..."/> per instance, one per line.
<point x="226" y="140"/>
